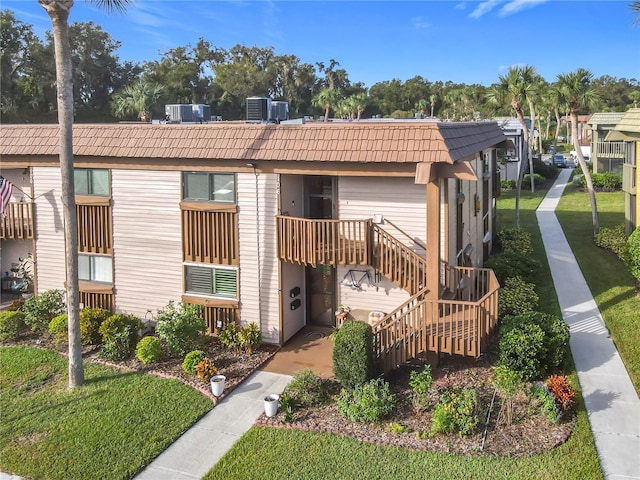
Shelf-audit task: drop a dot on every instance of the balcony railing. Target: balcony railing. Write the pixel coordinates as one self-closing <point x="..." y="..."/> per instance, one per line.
<point x="330" y="242"/>
<point x="610" y="149"/>
<point x="18" y="224"/>
<point x="629" y="178"/>
<point x="216" y="313"/>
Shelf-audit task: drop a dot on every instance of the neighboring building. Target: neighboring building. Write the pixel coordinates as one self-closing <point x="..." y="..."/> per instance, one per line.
<point x="509" y="158"/>
<point x="627" y="132"/>
<point x="606" y="155"/>
<point x="273" y="224"/>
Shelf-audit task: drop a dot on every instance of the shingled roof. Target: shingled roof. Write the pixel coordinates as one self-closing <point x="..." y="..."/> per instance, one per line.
<point x="337" y="142"/>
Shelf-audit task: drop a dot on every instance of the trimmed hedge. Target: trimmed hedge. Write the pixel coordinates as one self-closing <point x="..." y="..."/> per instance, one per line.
<point x="515" y="240"/>
<point x="517" y="296"/>
<point x="90" y="321"/>
<point x="612" y="239"/>
<point x="149" y="350"/>
<point x="353" y="354"/>
<point x="632" y="253"/>
<point x="509" y="264"/>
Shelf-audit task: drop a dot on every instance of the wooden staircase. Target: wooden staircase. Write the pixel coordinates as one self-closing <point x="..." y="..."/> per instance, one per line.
<point x="459" y="322"/>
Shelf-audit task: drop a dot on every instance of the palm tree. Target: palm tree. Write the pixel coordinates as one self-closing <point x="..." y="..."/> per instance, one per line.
<point x="532" y="93"/>
<point x="577" y="92"/>
<point x="514" y="89"/>
<point x="635" y="7"/>
<point x="58" y="11"/>
<point x="432" y="100"/>
<point x="326" y="99"/>
<point x="137" y="99"/>
<point x="421" y="106"/>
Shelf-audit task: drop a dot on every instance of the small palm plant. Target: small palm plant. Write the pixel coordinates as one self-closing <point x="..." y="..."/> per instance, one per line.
<point x="137" y="98"/>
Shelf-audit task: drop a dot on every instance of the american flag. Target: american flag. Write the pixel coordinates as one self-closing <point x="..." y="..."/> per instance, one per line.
<point x="6" y="187"/>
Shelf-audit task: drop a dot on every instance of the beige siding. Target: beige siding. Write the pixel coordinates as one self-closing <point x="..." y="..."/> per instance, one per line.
<point x="293" y="275"/>
<point x="403" y="205"/>
<point x="49" y="229"/>
<point x="147" y="239"/>
<point x="259" y="297"/>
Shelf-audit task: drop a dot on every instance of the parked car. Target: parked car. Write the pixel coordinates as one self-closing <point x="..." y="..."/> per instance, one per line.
<point x="559" y="160"/>
<point x="571" y="162"/>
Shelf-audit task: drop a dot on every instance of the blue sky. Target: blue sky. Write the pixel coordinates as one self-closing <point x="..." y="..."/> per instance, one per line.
<point x="462" y="41"/>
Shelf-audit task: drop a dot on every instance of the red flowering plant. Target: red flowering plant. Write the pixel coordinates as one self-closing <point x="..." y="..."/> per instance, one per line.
<point x="562" y="391"/>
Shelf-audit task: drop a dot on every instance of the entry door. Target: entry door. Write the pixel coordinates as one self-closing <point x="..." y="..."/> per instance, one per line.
<point x="321" y="280"/>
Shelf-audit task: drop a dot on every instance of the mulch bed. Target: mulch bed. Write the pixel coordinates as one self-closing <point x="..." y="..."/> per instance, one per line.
<point x="530" y="433"/>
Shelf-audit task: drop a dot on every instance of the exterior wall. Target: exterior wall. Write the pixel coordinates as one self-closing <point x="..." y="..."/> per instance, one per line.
<point x="147" y="250"/>
<point x="50" y="256"/>
<point x="293" y="275"/>
<point x="401" y="202"/>
<point x="259" y="288"/>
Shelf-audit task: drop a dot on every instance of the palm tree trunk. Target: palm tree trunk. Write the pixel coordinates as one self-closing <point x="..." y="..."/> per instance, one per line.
<point x="59" y="19"/>
<point x="532" y="112"/>
<point x="525" y="148"/>
<point x="585" y="171"/>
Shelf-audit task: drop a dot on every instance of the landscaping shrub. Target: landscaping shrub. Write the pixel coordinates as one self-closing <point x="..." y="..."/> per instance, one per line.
<point x="230" y="336"/>
<point x="368" y="402"/>
<point x="192" y="359"/>
<point x="205" y="370"/>
<point x="11" y="325"/>
<point x="533" y="343"/>
<point x="120" y="346"/>
<point x="547" y="171"/>
<point x="546" y="402"/>
<point x="556" y="339"/>
<point x="420" y="383"/>
<point x="149" y="350"/>
<point x="116" y="326"/>
<point x="612" y="239"/>
<point x="607" y="181"/>
<point x="40" y="309"/>
<point x="517" y="296"/>
<point x="521" y="347"/>
<point x="508" y="383"/>
<point x="632" y="253"/>
<point x="508" y="264"/>
<point x="456" y="411"/>
<point x="90" y="321"/>
<point x="353" y="354"/>
<point x="508" y="184"/>
<point x="537" y="179"/>
<point x="515" y="240"/>
<point x="183" y="328"/>
<point x="562" y="391"/>
<point x="288" y="404"/>
<point x="59" y="328"/>
<point x="307" y="388"/>
<point x="250" y="337"/>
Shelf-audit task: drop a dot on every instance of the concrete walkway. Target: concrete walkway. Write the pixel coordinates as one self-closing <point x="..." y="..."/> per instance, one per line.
<point x="199" y="448"/>
<point x="612" y="402"/>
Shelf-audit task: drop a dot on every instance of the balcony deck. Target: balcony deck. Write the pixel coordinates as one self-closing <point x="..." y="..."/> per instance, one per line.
<point x="18" y="224"/>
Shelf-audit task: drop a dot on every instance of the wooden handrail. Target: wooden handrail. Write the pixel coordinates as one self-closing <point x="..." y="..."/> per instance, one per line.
<point x="18" y="224"/>
<point x="397" y="262"/>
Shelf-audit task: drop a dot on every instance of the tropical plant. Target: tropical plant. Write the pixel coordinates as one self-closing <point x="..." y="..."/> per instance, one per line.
<point x="515" y="88"/>
<point x="420" y="383"/>
<point x="205" y="370"/>
<point x="576" y="93"/>
<point x="138" y="99"/>
<point x="327" y="98"/>
<point x="368" y="402"/>
<point x="58" y="11"/>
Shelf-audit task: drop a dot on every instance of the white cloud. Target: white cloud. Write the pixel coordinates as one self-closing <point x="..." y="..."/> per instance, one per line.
<point x="484" y="7"/>
<point x="461" y="6"/>
<point x="419" y="23"/>
<point x="516" y="6"/>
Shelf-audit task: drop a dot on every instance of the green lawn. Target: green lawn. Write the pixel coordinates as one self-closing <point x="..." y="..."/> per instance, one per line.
<point x="268" y="453"/>
<point x="610" y="282"/>
<point x="109" y="429"/>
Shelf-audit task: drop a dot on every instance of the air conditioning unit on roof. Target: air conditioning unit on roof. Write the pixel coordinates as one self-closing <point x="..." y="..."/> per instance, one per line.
<point x="258" y="109"/>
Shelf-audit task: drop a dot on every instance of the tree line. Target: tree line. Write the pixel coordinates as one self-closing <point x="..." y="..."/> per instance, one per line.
<point x="106" y="88"/>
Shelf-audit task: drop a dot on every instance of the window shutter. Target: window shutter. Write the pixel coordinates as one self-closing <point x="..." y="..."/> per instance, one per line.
<point x="225" y="283"/>
<point x="199" y="280"/>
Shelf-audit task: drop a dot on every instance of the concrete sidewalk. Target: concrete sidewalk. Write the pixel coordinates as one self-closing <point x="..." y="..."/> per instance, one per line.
<point x="612" y="402"/>
<point x="200" y="447"/>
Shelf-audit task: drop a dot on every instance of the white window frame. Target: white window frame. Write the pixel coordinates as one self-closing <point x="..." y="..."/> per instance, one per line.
<point x="94" y="268"/>
<point x="214" y="269"/>
<point x="90" y="184"/>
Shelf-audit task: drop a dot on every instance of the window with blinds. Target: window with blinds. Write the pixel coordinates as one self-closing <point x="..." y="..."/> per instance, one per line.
<point x="204" y="280"/>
